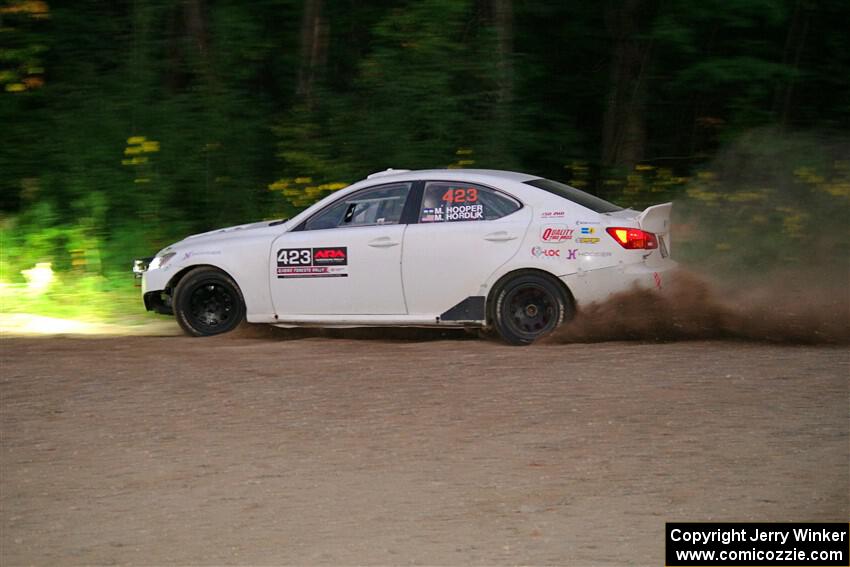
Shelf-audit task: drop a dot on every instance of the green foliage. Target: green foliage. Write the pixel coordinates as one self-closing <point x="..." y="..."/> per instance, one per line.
<point x="85" y="298"/>
<point x="127" y="126"/>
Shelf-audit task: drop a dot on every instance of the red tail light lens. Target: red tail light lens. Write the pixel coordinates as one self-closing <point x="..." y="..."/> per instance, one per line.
<point x="633" y="238"/>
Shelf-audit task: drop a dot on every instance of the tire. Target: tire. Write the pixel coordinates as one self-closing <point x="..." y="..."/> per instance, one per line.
<point x="527" y="306"/>
<point x="208" y="302"/>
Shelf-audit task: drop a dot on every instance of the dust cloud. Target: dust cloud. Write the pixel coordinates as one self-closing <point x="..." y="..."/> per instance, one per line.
<point x="761" y="236"/>
<point x="689" y="308"/>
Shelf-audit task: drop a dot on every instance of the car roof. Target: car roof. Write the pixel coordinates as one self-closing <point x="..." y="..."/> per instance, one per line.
<point x="460" y="174"/>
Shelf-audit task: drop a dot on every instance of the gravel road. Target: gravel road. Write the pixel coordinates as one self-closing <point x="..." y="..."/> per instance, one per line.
<point x="296" y="449"/>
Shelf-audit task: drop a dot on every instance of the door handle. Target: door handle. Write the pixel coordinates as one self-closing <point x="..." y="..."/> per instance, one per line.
<point x="500" y="236"/>
<point x="383" y="242"/>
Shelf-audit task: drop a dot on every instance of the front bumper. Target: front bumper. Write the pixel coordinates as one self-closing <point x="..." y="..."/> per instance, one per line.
<point x="158" y="302"/>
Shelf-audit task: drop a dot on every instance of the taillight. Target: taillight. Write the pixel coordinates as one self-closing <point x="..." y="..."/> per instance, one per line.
<point x="633" y="238"/>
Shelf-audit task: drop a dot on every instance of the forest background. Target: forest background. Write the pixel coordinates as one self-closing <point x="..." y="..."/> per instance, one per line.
<point x="128" y="125"/>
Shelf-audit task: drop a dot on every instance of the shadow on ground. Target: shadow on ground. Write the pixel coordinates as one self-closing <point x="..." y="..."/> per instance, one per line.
<point x="407" y="334"/>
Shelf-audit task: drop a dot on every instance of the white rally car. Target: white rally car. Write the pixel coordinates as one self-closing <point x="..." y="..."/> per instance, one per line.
<point x="448" y="247"/>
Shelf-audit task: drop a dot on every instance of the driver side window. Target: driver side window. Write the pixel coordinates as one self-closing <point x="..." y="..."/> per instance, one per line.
<point x="369" y="207"/>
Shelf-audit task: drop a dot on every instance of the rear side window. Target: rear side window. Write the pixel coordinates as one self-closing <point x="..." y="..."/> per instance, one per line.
<point x="575" y="195"/>
<point x="375" y="206"/>
<point x="456" y="202"/>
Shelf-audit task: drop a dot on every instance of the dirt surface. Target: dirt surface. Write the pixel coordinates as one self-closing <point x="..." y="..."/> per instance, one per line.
<point x="275" y="448"/>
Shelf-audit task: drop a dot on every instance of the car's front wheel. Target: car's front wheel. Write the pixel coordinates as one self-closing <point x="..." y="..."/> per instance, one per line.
<point x="527" y="306"/>
<point x="208" y="302"/>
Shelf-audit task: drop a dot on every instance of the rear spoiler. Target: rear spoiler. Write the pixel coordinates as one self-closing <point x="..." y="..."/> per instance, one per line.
<point x="656" y="219"/>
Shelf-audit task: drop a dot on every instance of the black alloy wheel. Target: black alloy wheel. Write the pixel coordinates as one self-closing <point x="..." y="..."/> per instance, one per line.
<point x="208" y="302"/>
<point x="528" y="306"/>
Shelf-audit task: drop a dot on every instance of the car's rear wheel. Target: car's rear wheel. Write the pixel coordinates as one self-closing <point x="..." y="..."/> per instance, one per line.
<point x="208" y="302"/>
<point x="527" y="306"/>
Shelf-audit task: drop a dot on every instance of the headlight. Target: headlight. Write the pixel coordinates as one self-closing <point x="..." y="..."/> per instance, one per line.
<point x="161" y="261"/>
<point x="140" y="266"/>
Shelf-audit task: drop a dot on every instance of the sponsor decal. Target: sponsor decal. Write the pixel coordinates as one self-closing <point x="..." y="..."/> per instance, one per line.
<point x="309" y="272"/>
<point x="553" y="214"/>
<point x="587" y="240"/>
<point x="595" y="254"/>
<point x="336" y="256"/>
<point x="657" y="277"/>
<point x="588" y="230"/>
<point x="540" y="252"/>
<point x="323" y="262"/>
<point x="556" y="233"/>
<point x="571" y="254"/>
<point x="581" y="222"/>
<point x="192" y="253"/>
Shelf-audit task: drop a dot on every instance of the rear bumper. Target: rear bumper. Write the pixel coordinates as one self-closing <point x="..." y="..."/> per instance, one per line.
<point x="599" y="285"/>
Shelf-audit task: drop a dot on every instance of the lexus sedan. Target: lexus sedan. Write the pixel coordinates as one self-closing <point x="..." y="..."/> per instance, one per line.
<point x="496" y="250"/>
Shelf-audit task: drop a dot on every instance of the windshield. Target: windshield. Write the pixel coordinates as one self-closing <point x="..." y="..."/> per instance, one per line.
<point x="575" y="195"/>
